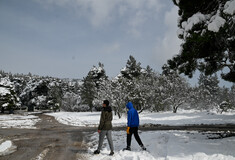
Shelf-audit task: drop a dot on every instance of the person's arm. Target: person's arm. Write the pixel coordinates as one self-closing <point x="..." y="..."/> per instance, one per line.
<point x="102" y="120"/>
<point x="129" y="119"/>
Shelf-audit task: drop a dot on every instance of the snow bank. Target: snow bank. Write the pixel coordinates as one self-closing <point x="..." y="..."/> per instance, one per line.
<point x="18" y="121"/>
<point x="6" y="147"/>
<point x="162" y="145"/>
<point x="167" y="118"/>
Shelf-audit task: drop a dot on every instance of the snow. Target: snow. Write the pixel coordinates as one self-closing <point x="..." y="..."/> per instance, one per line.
<point x="216" y="22"/>
<point x="5" y="82"/>
<point x="6" y="147"/>
<point x="166" y="118"/>
<point x="18" y="121"/>
<point x="162" y="145"/>
<point x="177" y="1"/>
<point x="229" y="7"/>
<point x="195" y="19"/>
<point x="4" y="91"/>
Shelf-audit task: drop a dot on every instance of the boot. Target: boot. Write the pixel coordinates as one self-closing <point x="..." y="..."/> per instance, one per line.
<point x="128" y="148"/>
<point x="97" y="152"/>
<point x="111" y="153"/>
<point x="143" y="147"/>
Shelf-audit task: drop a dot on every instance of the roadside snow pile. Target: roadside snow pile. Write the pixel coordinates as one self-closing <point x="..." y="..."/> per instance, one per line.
<point x="167" y="118"/>
<point x="84" y="119"/>
<point x="18" y="121"/>
<point x="170" y="145"/>
<point x="6" y="147"/>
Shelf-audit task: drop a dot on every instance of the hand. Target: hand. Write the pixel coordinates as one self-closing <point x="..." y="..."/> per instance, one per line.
<point x="99" y="131"/>
<point x="128" y="130"/>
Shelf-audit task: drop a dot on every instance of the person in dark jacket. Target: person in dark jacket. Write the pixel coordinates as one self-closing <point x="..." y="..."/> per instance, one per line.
<point x="105" y="127"/>
<point x="132" y="126"/>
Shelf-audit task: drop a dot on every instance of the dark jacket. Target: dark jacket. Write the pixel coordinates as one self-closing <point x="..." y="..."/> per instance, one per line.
<point x="132" y="116"/>
<point x="106" y="119"/>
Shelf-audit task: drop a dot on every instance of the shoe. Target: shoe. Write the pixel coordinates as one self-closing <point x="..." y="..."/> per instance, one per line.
<point x="97" y="152"/>
<point x="127" y="149"/>
<point x="111" y="153"/>
<point x="143" y="148"/>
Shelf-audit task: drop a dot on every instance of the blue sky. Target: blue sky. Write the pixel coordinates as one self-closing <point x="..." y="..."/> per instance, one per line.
<point x="65" y="38"/>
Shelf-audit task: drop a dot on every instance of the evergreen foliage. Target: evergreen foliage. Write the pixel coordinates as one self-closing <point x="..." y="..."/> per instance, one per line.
<point x="208" y="33"/>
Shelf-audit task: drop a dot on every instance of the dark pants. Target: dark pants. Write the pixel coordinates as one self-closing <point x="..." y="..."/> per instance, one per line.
<point x="133" y="130"/>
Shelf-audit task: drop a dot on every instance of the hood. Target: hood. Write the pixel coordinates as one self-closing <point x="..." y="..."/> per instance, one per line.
<point x="129" y="105"/>
<point x="108" y="108"/>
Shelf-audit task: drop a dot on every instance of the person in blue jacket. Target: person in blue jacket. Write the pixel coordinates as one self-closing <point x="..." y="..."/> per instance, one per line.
<point x="132" y="126"/>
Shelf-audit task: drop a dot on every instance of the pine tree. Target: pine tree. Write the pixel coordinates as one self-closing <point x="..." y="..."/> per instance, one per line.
<point x="92" y="83"/>
<point x="132" y="69"/>
<point x="207" y="29"/>
<point x="208" y="91"/>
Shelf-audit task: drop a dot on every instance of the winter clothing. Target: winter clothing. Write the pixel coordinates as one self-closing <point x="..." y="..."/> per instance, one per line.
<point x="132" y="126"/>
<point x="105" y="127"/>
<point x="111" y="153"/>
<point x="97" y="152"/>
<point x="108" y="134"/>
<point x="133" y="130"/>
<point x="106" y="102"/>
<point x="127" y="148"/>
<point x="106" y="119"/>
<point x="132" y="116"/>
<point x="128" y="130"/>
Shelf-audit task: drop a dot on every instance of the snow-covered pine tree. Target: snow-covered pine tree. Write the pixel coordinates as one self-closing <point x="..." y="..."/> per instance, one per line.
<point x="208" y="91"/>
<point x="132" y="69"/>
<point x="91" y="84"/>
<point x="8" y="97"/>
<point x="207" y="28"/>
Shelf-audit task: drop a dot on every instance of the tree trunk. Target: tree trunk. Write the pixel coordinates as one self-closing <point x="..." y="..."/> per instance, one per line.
<point x="175" y="109"/>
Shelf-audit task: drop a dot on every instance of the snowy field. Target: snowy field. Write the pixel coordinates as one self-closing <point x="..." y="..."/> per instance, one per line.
<point x="18" y="121"/>
<point x="166" y="145"/>
<point x="166" y="118"/>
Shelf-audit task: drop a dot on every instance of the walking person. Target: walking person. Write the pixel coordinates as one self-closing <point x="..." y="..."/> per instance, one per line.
<point x="132" y="126"/>
<point x="105" y="127"/>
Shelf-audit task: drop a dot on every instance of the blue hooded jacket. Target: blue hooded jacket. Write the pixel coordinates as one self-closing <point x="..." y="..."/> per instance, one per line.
<point x="132" y="116"/>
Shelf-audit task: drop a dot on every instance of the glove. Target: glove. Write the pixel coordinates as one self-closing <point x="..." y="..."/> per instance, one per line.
<point x="128" y="130"/>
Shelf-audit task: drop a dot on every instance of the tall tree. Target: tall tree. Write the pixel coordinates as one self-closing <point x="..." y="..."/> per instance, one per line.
<point x="132" y="69"/>
<point x="207" y="29"/>
<point x="208" y="91"/>
<point x="176" y="89"/>
<point x="91" y="84"/>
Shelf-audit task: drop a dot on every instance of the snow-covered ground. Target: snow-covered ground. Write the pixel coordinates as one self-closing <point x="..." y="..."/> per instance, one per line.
<point x="161" y="145"/>
<point x="18" y="121"/>
<point x="165" y="118"/>
<point x="166" y="145"/>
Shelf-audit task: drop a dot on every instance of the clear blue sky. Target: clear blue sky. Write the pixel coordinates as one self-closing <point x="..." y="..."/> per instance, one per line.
<point x="65" y="38"/>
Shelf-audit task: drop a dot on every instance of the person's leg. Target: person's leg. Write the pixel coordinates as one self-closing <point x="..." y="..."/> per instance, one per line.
<point x="101" y="139"/>
<point x="109" y="137"/>
<point x="137" y="137"/>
